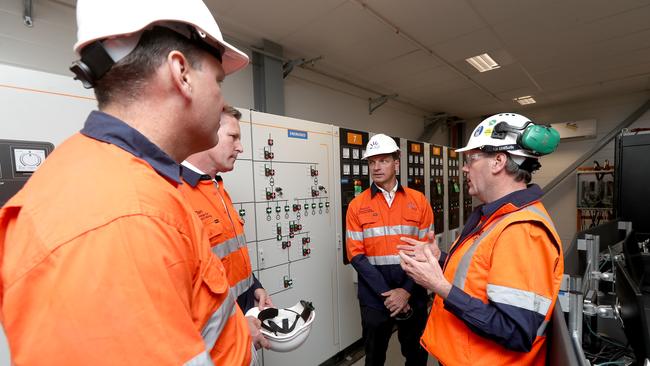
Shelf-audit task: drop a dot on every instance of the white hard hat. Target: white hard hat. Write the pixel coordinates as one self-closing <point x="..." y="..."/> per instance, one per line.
<point x="380" y="144"/>
<point x="286" y="329"/>
<point x="482" y="136"/>
<point x="118" y="23"/>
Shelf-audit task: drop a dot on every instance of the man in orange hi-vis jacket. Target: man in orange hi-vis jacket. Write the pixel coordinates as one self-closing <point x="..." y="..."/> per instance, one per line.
<point x="375" y="221"/>
<point x="208" y="197"/>
<point x="103" y="260"/>
<point x="496" y="288"/>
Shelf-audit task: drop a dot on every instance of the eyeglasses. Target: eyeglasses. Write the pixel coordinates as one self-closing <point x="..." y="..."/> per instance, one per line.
<point x="468" y="159"/>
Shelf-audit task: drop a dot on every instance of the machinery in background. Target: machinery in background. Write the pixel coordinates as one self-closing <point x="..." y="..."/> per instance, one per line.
<point x="467" y="200"/>
<point x="415" y="165"/>
<point x="607" y="282"/>
<point x="355" y="177"/>
<point x="453" y="189"/>
<point x="437" y="191"/>
<point x="633" y="292"/>
<point x="18" y="161"/>
<point x="595" y="201"/>
<point x="632" y="175"/>
<point x="606" y="293"/>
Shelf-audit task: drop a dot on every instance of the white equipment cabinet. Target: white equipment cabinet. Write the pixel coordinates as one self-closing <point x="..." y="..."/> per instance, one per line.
<point x="286" y="182"/>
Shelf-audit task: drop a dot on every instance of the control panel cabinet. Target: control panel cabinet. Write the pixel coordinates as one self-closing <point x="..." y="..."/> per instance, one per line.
<point x="437" y="188"/>
<point x="453" y="188"/>
<point x="415" y="166"/>
<point x="355" y="177"/>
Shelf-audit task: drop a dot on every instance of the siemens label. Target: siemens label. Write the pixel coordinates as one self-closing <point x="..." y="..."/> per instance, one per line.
<point x="296" y="134"/>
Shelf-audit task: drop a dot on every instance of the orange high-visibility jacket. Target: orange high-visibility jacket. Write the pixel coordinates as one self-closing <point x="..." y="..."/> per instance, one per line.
<point x="373" y="231"/>
<point x="104" y="262"/>
<point x="509" y="270"/>
<point x="225" y="229"/>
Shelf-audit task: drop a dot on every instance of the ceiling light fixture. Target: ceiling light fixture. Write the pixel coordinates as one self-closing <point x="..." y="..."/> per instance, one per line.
<point x="525" y="100"/>
<point x="483" y="62"/>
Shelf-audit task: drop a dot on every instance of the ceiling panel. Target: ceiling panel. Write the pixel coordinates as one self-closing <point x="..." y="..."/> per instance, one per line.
<point x="429" y="21"/>
<point x="439" y="78"/>
<point x="409" y="66"/>
<point x="352" y="26"/>
<point x="468" y="45"/>
<point x="503" y="79"/>
<point x="275" y="20"/>
<point x="440" y="90"/>
<point x="380" y="48"/>
<point x="615" y="88"/>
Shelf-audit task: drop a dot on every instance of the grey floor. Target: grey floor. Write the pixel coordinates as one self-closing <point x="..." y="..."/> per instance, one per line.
<point x="394" y="356"/>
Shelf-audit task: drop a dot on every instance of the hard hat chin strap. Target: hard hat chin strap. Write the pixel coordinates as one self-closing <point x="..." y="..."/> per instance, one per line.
<point x="94" y="63"/>
<point x="266" y="315"/>
<point x="99" y="56"/>
<point x="502" y="148"/>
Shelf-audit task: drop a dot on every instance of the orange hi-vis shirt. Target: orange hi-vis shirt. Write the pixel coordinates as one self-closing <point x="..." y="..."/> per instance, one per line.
<point x="225" y="228"/>
<point x="373" y="232"/>
<point x="506" y="276"/>
<point x="105" y="263"/>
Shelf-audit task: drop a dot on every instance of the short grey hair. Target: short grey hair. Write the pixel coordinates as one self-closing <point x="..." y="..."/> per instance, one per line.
<point x="514" y="170"/>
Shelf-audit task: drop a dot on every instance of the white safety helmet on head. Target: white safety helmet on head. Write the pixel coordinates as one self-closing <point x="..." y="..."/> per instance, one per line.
<point x="514" y="134"/>
<point x="380" y="144"/>
<point x="286" y="329"/>
<point x="117" y="25"/>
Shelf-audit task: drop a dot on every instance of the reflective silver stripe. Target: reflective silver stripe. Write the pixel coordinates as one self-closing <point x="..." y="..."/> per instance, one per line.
<point x="542" y="214"/>
<point x="354" y="235"/>
<point x="242" y="286"/>
<point x="423" y="233"/>
<point x="213" y="328"/>
<point x="229" y="246"/>
<point x="463" y="266"/>
<point x="519" y="298"/>
<point x="202" y="359"/>
<point x="542" y="328"/>
<point x="254" y="359"/>
<point x="390" y="230"/>
<point x="384" y="260"/>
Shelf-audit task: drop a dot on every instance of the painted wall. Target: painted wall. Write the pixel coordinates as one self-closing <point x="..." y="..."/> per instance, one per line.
<point x="314" y="97"/>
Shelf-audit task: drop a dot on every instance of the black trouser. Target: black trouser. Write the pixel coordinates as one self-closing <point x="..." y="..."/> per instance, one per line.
<point x="377" y="328"/>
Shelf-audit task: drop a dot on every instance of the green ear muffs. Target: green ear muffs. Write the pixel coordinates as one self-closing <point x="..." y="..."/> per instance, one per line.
<point x="537" y="139"/>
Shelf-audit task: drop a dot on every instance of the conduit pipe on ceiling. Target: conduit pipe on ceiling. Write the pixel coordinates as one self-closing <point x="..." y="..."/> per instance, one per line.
<point x="424" y="48"/>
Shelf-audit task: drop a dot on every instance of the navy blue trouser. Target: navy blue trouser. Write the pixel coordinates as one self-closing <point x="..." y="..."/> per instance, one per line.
<point x="377" y="328"/>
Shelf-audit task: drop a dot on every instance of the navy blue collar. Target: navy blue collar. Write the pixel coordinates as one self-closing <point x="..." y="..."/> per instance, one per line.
<point x="374" y="189"/>
<point x="193" y="177"/>
<point x="104" y="127"/>
<point x="518" y="198"/>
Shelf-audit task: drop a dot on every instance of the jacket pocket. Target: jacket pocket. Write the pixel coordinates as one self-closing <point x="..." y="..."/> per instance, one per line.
<point x="214" y="231"/>
<point x="214" y="277"/>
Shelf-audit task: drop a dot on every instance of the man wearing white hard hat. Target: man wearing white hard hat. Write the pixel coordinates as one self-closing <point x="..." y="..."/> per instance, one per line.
<point x="376" y="219"/>
<point x="496" y="288"/>
<point x="104" y="262"/>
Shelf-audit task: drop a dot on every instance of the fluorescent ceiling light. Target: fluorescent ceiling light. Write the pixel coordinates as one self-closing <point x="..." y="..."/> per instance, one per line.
<point x="483" y="62"/>
<point x="525" y="100"/>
